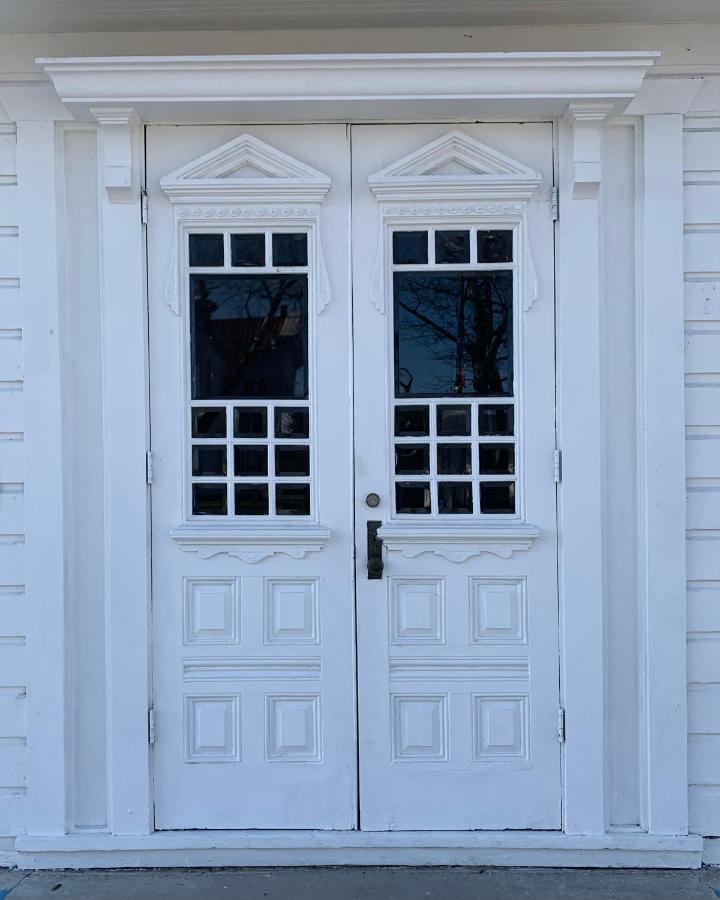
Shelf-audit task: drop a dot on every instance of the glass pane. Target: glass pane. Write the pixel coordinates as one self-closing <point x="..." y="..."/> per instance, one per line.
<point x="292" y="461"/>
<point x="209" y="461"/>
<point x="251" y="460"/>
<point x="455" y="497"/>
<point x="209" y="499"/>
<point x="412" y="459"/>
<point x="410" y="247"/>
<point x="497" y="459"/>
<point x="497" y="497"/>
<point x="250" y="421"/>
<point x="208" y="422"/>
<point x="292" y="423"/>
<point x="452" y="246"/>
<point x="249" y="336"/>
<point x="251" y="499"/>
<point x="495" y="246"/>
<point x="289" y="249"/>
<point x="247" y="249"/>
<point x="412" y="421"/>
<point x="453" y="333"/>
<point x="412" y="497"/>
<point x="206" y="250"/>
<point x="453" y="420"/>
<point x="454" y="459"/>
<point x="292" y="499"/>
<point x="496" y="420"/>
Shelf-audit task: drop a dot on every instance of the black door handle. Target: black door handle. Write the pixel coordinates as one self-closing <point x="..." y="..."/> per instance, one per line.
<point x="374" y="551"/>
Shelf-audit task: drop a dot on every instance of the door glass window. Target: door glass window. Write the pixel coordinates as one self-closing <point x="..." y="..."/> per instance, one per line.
<point x="249" y="374"/>
<point x="454" y="407"/>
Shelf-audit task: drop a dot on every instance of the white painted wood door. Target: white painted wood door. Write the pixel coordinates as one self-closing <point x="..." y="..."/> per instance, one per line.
<point x="249" y="335"/>
<point x="454" y="433"/>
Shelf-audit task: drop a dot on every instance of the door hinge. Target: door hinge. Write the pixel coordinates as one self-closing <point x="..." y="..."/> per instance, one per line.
<point x="561" y="725"/>
<point x="143" y="206"/>
<point x="557" y="466"/>
<point x="149" y="467"/>
<point x="151" y="725"/>
<point x="554" y="209"/>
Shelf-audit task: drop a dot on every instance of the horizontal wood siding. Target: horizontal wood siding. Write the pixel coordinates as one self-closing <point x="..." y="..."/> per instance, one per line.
<point x="702" y="417"/>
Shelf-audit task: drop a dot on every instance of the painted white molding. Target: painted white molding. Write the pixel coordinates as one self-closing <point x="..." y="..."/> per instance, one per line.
<point x="455" y="542"/>
<point x="334" y="86"/>
<point x="286" y="848"/>
<point x="586" y="121"/>
<point x="662" y="474"/>
<point x="117" y="147"/>
<point x="251" y="545"/>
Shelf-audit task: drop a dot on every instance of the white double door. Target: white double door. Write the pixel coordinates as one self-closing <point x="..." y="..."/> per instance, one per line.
<point x="352" y="326"/>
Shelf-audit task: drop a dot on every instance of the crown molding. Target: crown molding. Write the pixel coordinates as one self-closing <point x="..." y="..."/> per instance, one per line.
<point x="364" y="86"/>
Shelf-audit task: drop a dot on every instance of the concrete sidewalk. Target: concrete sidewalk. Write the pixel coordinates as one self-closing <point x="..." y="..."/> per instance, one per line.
<point x="363" y="883"/>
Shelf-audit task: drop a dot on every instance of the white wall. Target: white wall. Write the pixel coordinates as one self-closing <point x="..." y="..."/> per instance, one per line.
<point x="702" y="393"/>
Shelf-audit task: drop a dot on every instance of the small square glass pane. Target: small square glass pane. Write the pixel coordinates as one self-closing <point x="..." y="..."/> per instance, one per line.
<point x="292" y="461"/>
<point x="251" y="499"/>
<point x="497" y="497"/>
<point x="454" y="459"/>
<point x="209" y="499"/>
<point x="250" y="421"/>
<point x="452" y="246"/>
<point x="247" y="249"/>
<point x="412" y="497"/>
<point x="410" y="248"/>
<point x="289" y="250"/>
<point x="292" y="423"/>
<point x="453" y="420"/>
<point x="495" y="246"/>
<point x="412" y="459"/>
<point x="412" y="421"/>
<point x="455" y="497"/>
<point x="497" y="459"/>
<point x="251" y="460"/>
<point x="206" y="250"/>
<point x="209" y="461"/>
<point x="208" y="422"/>
<point x="496" y="420"/>
<point x="292" y="499"/>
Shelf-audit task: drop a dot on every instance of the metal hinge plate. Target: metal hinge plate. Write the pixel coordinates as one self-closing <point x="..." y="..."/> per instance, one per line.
<point x="557" y="466"/>
<point x="561" y="725"/>
<point x="554" y="210"/>
<point x="151" y="725"/>
<point x="143" y="207"/>
<point x="149" y="467"/>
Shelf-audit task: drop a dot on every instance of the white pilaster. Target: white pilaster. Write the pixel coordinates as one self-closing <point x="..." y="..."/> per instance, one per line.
<point x="125" y="441"/>
<point x="662" y="466"/>
<point x="580" y="418"/>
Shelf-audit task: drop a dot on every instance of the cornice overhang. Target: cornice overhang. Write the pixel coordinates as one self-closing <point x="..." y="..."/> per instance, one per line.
<point x="332" y="87"/>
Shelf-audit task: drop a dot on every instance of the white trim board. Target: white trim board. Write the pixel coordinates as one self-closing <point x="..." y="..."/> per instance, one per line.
<point x="293" y="848"/>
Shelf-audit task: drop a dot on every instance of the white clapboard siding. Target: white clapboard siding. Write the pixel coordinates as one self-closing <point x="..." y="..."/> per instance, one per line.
<point x="12" y="597"/>
<point x="702" y="416"/>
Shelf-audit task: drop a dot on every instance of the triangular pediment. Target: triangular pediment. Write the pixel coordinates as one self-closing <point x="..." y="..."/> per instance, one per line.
<point x="454" y="162"/>
<point x="246" y="168"/>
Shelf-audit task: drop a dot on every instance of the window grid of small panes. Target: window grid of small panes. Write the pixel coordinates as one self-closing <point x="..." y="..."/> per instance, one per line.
<point x="454" y="432"/>
<point x="250" y="427"/>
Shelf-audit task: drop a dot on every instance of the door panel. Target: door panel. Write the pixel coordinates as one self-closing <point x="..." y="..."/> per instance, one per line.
<point x="252" y="496"/>
<point x="454" y="411"/>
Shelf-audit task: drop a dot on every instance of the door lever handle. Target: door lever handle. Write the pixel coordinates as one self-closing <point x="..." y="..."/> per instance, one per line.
<point x="375" y="564"/>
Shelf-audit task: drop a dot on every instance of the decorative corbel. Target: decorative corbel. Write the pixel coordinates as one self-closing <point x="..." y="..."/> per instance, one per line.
<point x="119" y="154"/>
<point x="586" y="121"/>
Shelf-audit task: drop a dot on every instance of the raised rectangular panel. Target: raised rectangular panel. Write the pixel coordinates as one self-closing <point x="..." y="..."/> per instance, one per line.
<point x="417" y="611"/>
<point x="12" y="467"/>
<point x="703" y="660"/>
<point x="702" y="204"/>
<point x="11" y="408"/>
<point x="704" y="809"/>
<point x="291" y="611"/>
<point x="211" y="613"/>
<point x="702" y="456"/>
<point x="499" y="727"/>
<point x="212" y="729"/>
<point x="12" y="505"/>
<point x="8" y="255"/>
<point x="419" y="728"/>
<point x="704" y="709"/>
<point x="703" y="558"/>
<point x="702" y="301"/>
<point x="8" y="204"/>
<point x="498" y="610"/>
<point x="703" y="607"/>
<point x="703" y="508"/>
<point x="702" y="251"/>
<point x="701" y="151"/>
<point x="293" y="727"/>
<point x="702" y="349"/>
<point x="704" y="758"/>
<point x="702" y="402"/>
